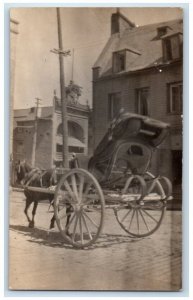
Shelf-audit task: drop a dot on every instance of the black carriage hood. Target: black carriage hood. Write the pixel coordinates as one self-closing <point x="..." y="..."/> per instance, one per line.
<point x="129" y="127"/>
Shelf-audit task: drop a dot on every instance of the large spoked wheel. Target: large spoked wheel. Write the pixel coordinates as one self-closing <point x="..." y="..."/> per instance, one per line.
<point x="79" y="208"/>
<point x="142" y="215"/>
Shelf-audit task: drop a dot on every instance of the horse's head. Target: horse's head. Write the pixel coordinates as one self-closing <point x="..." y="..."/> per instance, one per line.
<point x="22" y="169"/>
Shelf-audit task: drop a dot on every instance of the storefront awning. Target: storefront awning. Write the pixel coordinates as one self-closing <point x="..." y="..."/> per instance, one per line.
<point x="75" y="142"/>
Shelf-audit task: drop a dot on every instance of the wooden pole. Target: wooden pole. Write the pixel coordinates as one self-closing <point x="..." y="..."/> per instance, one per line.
<point x="72" y="64"/>
<point x="63" y="94"/>
<point x="35" y="133"/>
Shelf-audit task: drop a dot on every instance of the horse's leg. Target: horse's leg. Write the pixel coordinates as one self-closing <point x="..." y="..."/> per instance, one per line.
<point x="28" y="202"/>
<point x="52" y="222"/>
<point x="32" y="223"/>
<point x="68" y="213"/>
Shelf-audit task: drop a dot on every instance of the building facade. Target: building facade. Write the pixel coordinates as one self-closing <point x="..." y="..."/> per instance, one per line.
<point x="48" y="148"/>
<point x="141" y="70"/>
<point x="13" y="46"/>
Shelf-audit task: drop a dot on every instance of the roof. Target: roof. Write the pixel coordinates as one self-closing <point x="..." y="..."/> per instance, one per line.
<point x="45" y="112"/>
<point x="28" y="114"/>
<point x="143" y="43"/>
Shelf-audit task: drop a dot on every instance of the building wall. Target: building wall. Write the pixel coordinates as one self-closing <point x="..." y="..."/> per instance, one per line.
<point x="44" y="144"/>
<point x="78" y="117"/>
<point x="13" y="46"/>
<point x="22" y="143"/>
<point x="127" y="85"/>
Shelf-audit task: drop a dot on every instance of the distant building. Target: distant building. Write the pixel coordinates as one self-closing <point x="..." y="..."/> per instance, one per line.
<point x="13" y="46"/>
<point x="49" y="133"/>
<point x="140" y="70"/>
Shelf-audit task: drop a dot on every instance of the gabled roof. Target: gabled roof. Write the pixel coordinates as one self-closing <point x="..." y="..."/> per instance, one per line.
<point x="143" y="40"/>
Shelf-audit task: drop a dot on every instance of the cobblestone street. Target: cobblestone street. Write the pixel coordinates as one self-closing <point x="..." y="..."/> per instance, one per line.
<point x="40" y="261"/>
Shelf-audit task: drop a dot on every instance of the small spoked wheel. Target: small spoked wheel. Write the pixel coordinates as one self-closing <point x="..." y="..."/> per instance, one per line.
<point x="141" y="215"/>
<point x="79" y="208"/>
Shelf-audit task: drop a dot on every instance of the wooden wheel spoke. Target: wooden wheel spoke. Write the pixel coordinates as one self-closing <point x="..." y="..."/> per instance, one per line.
<point x="93" y="222"/>
<point x="126" y="215"/>
<point x="144" y="220"/>
<point x="81" y="200"/>
<point x="137" y="218"/>
<point x="81" y="231"/>
<point x="86" y="226"/>
<point x="149" y="215"/>
<point x="132" y="218"/>
<point x="74" y="186"/>
<point x="68" y="188"/>
<point x="70" y="222"/>
<point x="145" y="215"/>
<point x="75" y="226"/>
<point x="81" y="186"/>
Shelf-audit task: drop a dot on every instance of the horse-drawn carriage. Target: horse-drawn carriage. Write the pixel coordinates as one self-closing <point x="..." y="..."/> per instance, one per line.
<point x="117" y="178"/>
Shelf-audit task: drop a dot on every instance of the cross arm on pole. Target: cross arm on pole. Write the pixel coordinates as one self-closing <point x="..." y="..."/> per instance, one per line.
<point x="60" y="51"/>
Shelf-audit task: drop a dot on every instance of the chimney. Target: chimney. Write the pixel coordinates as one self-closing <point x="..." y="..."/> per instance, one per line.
<point x="119" y="23"/>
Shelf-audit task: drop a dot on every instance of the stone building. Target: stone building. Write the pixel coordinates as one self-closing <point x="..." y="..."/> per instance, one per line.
<point x="140" y="69"/>
<point x="48" y="150"/>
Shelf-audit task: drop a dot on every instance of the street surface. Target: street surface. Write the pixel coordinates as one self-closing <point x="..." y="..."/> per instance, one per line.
<point x="40" y="260"/>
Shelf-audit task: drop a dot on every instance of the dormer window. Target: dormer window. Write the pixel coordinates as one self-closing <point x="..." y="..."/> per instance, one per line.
<point x="161" y="31"/>
<point x="172" y="47"/>
<point x="119" y="61"/>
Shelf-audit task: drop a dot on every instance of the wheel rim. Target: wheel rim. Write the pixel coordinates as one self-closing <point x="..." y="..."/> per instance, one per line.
<point x="143" y="216"/>
<point x="79" y="208"/>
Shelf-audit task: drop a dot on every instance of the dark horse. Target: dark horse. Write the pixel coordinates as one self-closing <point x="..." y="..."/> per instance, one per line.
<point x="28" y="176"/>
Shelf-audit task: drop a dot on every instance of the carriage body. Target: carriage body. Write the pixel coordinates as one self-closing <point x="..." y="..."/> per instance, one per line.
<point x="127" y="148"/>
<point x="117" y="178"/>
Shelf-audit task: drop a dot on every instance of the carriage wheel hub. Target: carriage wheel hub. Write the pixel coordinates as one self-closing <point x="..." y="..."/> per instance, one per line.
<point x="77" y="207"/>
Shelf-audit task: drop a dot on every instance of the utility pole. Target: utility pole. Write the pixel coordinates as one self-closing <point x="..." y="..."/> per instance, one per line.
<point x="35" y="132"/>
<point x="63" y="92"/>
<point x="72" y="65"/>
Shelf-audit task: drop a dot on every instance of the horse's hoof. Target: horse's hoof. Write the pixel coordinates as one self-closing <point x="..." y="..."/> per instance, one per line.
<point x="31" y="224"/>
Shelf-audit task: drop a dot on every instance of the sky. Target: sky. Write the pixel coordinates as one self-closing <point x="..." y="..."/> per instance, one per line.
<point x="85" y="32"/>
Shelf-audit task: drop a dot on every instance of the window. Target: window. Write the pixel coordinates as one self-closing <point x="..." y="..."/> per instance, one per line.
<point x="19" y="130"/>
<point x="142" y="96"/>
<point x="32" y="110"/>
<point x="172" y="47"/>
<point x="175" y="92"/>
<point x="114" y="105"/>
<point x="74" y="130"/>
<point x="162" y="31"/>
<point x="74" y="149"/>
<point x="19" y="147"/>
<point x="119" y="61"/>
<point x="59" y="148"/>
